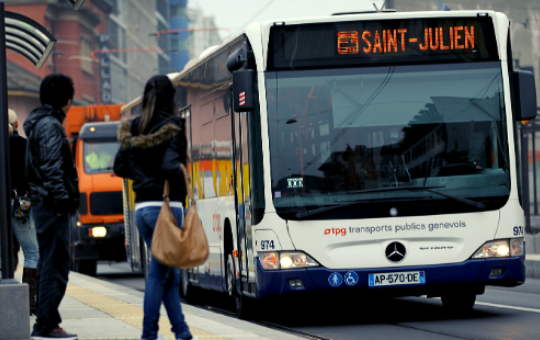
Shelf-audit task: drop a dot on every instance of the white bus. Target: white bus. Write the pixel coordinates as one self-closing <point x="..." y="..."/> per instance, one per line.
<point x="365" y="153"/>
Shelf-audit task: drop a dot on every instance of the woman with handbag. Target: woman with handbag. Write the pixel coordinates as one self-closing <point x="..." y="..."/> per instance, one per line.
<point x="153" y="146"/>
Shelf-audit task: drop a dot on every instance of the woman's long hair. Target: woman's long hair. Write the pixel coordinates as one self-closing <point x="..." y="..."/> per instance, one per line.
<point x="158" y="96"/>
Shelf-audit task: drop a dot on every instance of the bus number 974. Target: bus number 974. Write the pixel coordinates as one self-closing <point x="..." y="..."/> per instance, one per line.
<point x="266" y="244"/>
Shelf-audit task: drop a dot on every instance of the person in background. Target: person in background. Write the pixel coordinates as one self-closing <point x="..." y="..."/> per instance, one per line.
<point x="97" y="158"/>
<point x="16" y="245"/>
<point x="152" y="148"/>
<point x="23" y="226"/>
<point x="54" y="193"/>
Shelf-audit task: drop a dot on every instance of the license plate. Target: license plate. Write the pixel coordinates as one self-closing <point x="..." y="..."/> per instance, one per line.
<point x="392" y="279"/>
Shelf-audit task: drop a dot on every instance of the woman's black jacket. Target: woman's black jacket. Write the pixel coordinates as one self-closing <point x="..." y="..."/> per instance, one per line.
<point x="153" y="157"/>
<point x="17" y="151"/>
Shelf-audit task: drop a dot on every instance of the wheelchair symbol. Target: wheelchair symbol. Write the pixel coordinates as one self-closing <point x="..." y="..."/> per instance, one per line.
<point x="351" y="278"/>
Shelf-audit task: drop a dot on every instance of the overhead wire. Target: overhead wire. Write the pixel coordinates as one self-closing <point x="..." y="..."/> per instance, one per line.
<point x="254" y="16"/>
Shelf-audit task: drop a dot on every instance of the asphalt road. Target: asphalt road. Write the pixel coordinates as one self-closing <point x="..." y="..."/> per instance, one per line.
<point x="501" y="313"/>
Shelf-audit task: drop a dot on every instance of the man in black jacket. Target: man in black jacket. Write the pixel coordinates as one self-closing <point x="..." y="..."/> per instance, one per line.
<point x="53" y="182"/>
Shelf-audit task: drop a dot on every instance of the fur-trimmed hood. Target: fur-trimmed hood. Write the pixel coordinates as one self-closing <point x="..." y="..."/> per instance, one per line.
<point x="162" y="135"/>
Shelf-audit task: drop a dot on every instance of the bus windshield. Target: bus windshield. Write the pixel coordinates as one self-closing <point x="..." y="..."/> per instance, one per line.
<point x="99" y="155"/>
<point x="337" y="135"/>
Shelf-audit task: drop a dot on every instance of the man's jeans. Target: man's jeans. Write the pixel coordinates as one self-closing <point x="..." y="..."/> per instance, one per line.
<point x="163" y="283"/>
<point x="53" y="267"/>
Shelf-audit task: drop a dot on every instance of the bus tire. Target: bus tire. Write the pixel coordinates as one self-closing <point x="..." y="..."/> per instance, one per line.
<point x="86" y="267"/>
<point x="245" y="307"/>
<point x="187" y="291"/>
<point x="462" y="302"/>
<point x="231" y="278"/>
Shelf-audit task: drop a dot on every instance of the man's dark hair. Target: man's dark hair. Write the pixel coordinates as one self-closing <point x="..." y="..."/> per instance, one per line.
<point x="56" y="90"/>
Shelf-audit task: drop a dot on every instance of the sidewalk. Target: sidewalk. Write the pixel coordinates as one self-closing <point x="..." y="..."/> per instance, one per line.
<point x="98" y="310"/>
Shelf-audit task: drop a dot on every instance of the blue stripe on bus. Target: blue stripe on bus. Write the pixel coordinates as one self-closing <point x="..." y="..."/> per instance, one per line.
<point x="468" y="272"/>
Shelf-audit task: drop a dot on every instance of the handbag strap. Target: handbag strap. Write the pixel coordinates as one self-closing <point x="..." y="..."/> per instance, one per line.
<point x="166" y="190"/>
<point x="188" y="186"/>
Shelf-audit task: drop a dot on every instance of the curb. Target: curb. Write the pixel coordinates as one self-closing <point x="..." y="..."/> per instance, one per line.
<point x="532" y="266"/>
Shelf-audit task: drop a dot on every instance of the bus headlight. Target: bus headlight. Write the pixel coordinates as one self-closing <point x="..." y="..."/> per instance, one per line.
<point x="500" y="248"/>
<point x="286" y="260"/>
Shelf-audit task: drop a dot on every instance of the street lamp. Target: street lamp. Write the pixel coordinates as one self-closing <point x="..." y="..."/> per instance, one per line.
<point x="28" y="38"/>
<point x="34" y="42"/>
<point x="76" y="3"/>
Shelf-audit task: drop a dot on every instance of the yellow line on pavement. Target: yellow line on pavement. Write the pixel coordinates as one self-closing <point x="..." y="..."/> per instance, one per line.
<point x="128" y="313"/>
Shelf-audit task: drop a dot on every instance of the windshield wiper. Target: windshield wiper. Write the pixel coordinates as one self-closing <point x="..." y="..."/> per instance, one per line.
<point x="307" y="213"/>
<point x="478" y="205"/>
<point x="304" y="214"/>
<point x="411" y="188"/>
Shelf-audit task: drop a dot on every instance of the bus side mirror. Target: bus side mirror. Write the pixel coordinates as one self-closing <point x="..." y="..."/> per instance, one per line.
<point x="525" y="94"/>
<point x="243" y="90"/>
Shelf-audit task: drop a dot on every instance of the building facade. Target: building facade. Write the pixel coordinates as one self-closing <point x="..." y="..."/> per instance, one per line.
<point x="109" y="48"/>
<point x="524" y="18"/>
<point x="204" y="32"/>
<point x="77" y="33"/>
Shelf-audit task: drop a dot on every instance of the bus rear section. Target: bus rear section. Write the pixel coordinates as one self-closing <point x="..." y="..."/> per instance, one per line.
<point x="98" y="234"/>
<point x="392" y="158"/>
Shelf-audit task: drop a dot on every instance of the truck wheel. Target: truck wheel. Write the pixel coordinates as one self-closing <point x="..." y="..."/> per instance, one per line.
<point x="86" y="267"/>
<point x="459" y="303"/>
<point x="190" y="293"/>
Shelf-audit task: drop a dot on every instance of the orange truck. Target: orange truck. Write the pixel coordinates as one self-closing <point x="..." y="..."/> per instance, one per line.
<point x="97" y="233"/>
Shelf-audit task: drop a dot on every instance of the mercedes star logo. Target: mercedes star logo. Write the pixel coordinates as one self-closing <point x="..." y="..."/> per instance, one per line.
<point x="395" y="252"/>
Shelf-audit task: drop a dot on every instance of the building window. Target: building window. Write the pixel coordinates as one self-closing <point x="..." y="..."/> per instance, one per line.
<point x="118" y="39"/>
<point x="118" y="9"/>
<point x="161" y="7"/>
<point x="86" y="60"/>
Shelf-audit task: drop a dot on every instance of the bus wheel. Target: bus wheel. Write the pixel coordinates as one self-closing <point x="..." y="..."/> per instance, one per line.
<point x="231" y="277"/>
<point x="86" y="267"/>
<point x="245" y="307"/>
<point x="187" y="290"/>
<point x="463" y="302"/>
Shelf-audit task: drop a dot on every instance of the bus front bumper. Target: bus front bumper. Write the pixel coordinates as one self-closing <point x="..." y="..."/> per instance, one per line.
<point x="473" y="274"/>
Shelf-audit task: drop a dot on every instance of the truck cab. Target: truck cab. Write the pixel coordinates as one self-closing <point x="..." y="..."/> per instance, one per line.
<point x="98" y="233"/>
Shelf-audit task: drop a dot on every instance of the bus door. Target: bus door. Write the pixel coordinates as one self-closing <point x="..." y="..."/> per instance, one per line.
<point x="244" y="233"/>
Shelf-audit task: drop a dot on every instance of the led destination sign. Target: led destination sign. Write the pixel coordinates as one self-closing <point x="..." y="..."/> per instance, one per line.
<point x="387" y="41"/>
<point x="383" y="42"/>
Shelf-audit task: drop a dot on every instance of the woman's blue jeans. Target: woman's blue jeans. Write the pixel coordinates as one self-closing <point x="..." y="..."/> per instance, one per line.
<point x="25" y="232"/>
<point x="163" y="283"/>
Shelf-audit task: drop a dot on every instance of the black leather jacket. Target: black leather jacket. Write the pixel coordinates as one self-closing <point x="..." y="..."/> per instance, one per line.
<point x="50" y="169"/>
<point x="17" y="149"/>
<point x="151" y="158"/>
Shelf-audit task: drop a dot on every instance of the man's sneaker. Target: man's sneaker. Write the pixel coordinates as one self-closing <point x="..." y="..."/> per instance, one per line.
<point x="58" y="333"/>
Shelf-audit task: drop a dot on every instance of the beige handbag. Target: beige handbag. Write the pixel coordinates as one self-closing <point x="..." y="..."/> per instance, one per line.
<point x="175" y="247"/>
